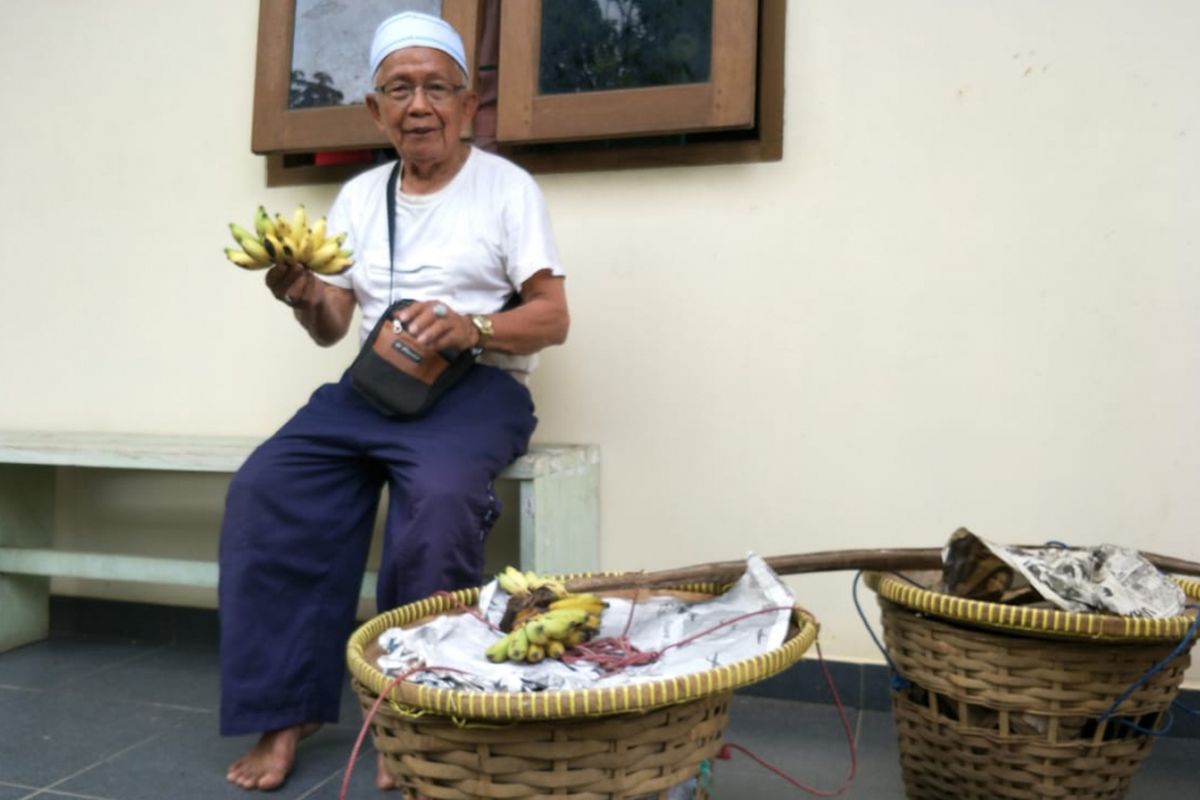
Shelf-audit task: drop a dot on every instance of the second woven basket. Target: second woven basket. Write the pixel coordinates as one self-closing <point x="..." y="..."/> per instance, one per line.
<point x="997" y="702"/>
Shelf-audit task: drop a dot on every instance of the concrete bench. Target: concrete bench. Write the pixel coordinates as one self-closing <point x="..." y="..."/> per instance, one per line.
<point x="558" y="526"/>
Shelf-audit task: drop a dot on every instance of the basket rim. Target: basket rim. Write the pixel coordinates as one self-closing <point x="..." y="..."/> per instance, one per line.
<point x="1053" y="623"/>
<point x="558" y="704"/>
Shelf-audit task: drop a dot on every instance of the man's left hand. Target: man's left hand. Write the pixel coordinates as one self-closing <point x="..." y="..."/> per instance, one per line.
<point x="439" y="327"/>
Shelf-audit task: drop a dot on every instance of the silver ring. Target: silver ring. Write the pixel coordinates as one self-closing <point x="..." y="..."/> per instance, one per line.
<point x="440" y="310"/>
<point x="287" y="301"/>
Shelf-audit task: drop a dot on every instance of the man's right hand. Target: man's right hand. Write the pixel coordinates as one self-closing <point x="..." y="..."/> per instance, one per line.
<point x="322" y="309"/>
<point x="293" y="285"/>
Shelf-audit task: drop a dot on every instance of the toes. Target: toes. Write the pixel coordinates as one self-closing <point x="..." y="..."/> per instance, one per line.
<point x="270" y="780"/>
<point x="248" y="776"/>
<point x="237" y="774"/>
<point x="383" y="776"/>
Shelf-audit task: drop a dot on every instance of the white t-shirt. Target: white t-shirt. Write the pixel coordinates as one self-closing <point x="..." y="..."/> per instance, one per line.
<point x="471" y="244"/>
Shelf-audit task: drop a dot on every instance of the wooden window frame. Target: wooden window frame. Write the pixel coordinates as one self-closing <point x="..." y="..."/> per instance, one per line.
<point x="725" y="101"/>
<point x="761" y="143"/>
<point x="278" y="129"/>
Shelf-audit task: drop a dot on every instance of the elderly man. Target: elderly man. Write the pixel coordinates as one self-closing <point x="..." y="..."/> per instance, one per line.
<point x="471" y="231"/>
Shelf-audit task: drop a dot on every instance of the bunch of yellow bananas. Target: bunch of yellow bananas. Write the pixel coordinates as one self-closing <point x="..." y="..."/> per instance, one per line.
<point x="569" y="621"/>
<point x="520" y="584"/>
<point x="281" y="241"/>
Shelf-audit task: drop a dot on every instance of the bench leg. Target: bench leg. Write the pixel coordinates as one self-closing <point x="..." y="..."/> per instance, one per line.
<point x="26" y="520"/>
<point x="560" y="521"/>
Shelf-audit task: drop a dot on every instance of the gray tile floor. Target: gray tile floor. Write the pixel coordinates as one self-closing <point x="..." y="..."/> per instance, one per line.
<point x="105" y="719"/>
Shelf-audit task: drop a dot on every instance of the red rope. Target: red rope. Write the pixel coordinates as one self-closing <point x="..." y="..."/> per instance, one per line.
<point x="726" y="754"/>
<point x="612" y="654"/>
<point x="366" y="726"/>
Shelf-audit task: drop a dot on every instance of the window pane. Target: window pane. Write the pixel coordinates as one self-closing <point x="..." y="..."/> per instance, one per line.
<point x="331" y="44"/>
<point x="598" y="45"/>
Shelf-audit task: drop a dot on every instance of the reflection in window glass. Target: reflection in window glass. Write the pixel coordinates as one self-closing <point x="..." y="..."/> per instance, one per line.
<point x="598" y="45"/>
<point x="331" y="44"/>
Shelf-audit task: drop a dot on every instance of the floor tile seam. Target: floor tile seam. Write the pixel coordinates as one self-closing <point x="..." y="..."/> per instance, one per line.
<point x="107" y="759"/>
<point x="94" y="694"/>
<point x="175" y="707"/>
<point x="71" y="682"/>
<point x="334" y="776"/>
<point x="9" y="687"/>
<point x="50" y="793"/>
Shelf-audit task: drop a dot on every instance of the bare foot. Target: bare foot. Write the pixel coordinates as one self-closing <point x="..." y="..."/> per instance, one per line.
<point x="384" y="779"/>
<point x="268" y="763"/>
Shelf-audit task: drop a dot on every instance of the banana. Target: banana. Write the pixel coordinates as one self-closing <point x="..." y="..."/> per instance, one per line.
<point x="289" y="252"/>
<point x="318" y="233"/>
<point x="535" y="653"/>
<point x="557" y="624"/>
<point x="263" y="223"/>
<point x="274" y="247"/>
<point x="518" y="645"/>
<point x="243" y="259"/>
<point x="240" y="234"/>
<point x="537" y="633"/>
<point x="512" y="581"/>
<point x="283" y="228"/>
<point x="498" y="651"/>
<point x="592" y="603"/>
<point x="338" y="266"/>
<point x="254" y="249"/>
<point x="321" y="256"/>
<point x="294" y="239"/>
<point x="567" y="616"/>
<point x="299" y="221"/>
<point x="545" y="582"/>
<point x="305" y="250"/>
<point x="524" y="617"/>
<point x="555" y="648"/>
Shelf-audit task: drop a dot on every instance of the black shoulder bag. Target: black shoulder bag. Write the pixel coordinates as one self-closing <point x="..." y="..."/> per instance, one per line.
<point x="394" y="372"/>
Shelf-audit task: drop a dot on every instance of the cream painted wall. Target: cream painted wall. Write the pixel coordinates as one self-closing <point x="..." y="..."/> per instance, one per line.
<point x="966" y="296"/>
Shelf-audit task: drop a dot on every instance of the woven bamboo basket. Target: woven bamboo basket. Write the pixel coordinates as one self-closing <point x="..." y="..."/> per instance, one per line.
<point x="614" y="743"/>
<point x="994" y="701"/>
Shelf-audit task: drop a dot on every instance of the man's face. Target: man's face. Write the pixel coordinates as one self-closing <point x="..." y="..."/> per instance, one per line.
<point x="424" y="130"/>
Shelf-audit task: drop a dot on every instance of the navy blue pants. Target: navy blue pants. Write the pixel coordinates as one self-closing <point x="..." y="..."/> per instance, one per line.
<point x="297" y="529"/>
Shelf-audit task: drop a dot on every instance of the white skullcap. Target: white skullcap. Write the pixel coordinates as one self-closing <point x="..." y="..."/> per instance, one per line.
<point x="414" y="29"/>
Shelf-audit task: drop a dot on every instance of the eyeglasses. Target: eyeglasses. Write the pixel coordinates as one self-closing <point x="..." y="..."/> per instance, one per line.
<point x="403" y="93"/>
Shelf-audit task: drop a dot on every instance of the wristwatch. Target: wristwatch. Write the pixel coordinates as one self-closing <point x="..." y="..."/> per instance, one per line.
<point x="484" y="326"/>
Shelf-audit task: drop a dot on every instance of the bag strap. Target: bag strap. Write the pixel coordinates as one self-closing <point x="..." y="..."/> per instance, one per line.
<point x="391" y="223"/>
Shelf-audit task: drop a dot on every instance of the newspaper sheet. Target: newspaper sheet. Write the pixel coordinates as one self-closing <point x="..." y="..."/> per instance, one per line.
<point x="1105" y="578"/>
<point x="457" y="642"/>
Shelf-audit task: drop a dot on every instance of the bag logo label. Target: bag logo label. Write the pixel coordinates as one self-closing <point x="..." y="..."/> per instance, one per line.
<point x="407" y="351"/>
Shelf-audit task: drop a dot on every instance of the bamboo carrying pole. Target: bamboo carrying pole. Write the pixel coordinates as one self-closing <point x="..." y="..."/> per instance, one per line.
<point x="884" y="560"/>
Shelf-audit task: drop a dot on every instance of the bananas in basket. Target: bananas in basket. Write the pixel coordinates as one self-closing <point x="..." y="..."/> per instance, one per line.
<point x="543" y="620"/>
